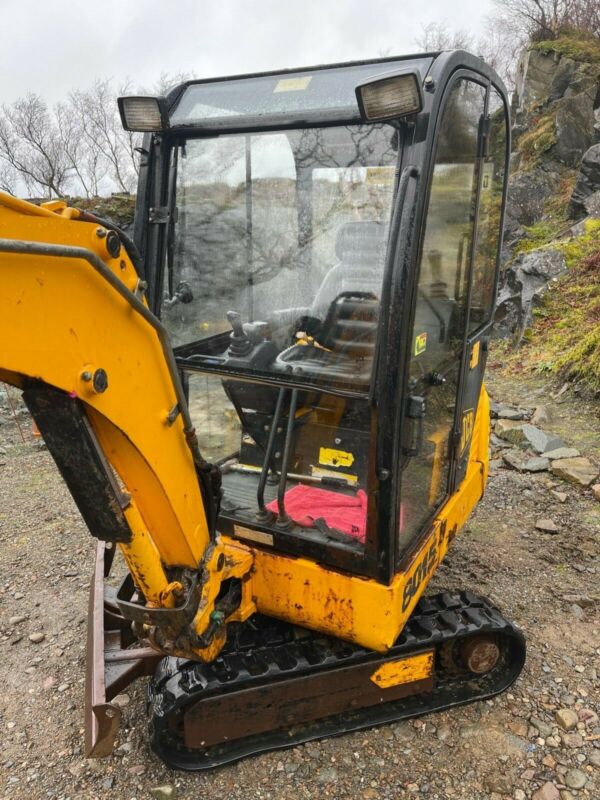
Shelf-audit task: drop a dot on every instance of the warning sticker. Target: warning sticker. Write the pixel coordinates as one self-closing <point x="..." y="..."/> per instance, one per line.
<point x="335" y="458"/>
<point x="420" y="343"/>
<point x="292" y="84"/>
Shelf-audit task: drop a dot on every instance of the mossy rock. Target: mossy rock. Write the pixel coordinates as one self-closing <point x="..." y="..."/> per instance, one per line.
<point x="538" y="140"/>
<point x="575" y="46"/>
<point x="565" y="338"/>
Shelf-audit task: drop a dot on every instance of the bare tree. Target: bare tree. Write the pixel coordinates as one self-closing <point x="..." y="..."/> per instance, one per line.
<point x="167" y="81"/>
<point x="499" y="47"/>
<point x="31" y="144"/>
<point x="585" y="16"/>
<point x="439" y="36"/>
<point x="546" y="19"/>
<point x="9" y="178"/>
<point x="86" y="162"/>
<point x="79" y="144"/>
<point x="98" y="119"/>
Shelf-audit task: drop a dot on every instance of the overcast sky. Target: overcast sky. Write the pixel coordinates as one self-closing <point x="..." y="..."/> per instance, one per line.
<point x="53" y="47"/>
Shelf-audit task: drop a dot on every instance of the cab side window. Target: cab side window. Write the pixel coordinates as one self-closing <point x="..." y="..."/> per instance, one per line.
<point x="441" y="307"/>
<point x="490" y="210"/>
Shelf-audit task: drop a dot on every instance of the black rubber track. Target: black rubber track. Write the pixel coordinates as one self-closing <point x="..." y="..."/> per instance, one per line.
<point x="266" y="651"/>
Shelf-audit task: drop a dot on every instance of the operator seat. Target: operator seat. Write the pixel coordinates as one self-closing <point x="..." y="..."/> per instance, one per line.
<point x="360" y="248"/>
<point x="346" y="308"/>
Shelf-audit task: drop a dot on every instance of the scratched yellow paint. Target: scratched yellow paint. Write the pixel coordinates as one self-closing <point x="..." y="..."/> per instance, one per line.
<point x="404" y="670"/>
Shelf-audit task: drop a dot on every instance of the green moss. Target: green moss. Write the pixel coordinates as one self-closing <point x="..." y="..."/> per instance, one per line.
<point x="565" y="338"/>
<point x="580" y="247"/>
<point x="539" y="140"/>
<point x="119" y="208"/>
<point x="538" y="235"/>
<point x="573" y="45"/>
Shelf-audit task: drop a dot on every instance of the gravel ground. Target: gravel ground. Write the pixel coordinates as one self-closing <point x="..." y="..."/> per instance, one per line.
<point x="541" y="740"/>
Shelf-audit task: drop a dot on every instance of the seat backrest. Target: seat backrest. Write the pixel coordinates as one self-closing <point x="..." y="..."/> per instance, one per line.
<point x="360" y="248"/>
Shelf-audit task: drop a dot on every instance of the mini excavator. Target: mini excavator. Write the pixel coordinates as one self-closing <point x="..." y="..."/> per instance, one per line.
<point x="269" y="399"/>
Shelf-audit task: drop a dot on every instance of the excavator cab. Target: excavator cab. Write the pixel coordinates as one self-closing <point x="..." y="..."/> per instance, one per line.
<point x="322" y="246"/>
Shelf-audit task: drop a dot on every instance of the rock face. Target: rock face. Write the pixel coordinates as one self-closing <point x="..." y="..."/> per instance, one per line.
<point x="535" y="74"/>
<point x="556" y="113"/>
<point x="522" y="284"/>
<point x="588" y="182"/>
<point x="528" y="192"/>
<point x="574" y="128"/>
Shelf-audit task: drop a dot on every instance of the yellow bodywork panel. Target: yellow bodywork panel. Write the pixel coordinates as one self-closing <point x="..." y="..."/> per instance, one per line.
<point x="404" y="670"/>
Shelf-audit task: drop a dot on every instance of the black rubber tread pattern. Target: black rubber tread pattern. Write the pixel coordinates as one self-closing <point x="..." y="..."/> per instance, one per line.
<point x="265" y="650"/>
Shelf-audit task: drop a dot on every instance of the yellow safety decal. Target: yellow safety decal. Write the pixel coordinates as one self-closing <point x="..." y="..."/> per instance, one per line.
<point x="404" y="670"/>
<point x="254" y="536"/>
<point x="474" y="356"/>
<point x="420" y="343"/>
<point x="468" y="423"/>
<point x="335" y="458"/>
<point x="292" y="84"/>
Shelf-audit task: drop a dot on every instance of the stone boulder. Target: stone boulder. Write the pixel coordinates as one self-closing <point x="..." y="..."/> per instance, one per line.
<point x="522" y="285"/>
<point x="536" y="72"/>
<point x="528" y="193"/>
<point x="545" y="77"/>
<point x="575" y="470"/>
<point x="574" y="128"/>
<point x="588" y="183"/>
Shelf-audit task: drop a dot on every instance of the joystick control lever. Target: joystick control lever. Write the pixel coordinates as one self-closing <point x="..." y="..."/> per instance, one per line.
<point x="240" y="343"/>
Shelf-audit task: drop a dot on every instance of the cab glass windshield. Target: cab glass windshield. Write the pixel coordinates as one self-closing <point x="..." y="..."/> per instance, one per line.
<point x="276" y="260"/>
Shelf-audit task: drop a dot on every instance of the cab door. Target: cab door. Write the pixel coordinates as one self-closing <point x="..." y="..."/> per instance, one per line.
<point x="441" y="302"/>
<point x="484" y="273"/>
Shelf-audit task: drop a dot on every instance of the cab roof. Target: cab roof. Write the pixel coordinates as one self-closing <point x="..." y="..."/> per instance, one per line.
<point x="325" y="94"/>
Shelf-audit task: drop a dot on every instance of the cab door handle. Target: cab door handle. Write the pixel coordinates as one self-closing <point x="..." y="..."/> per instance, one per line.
<point x="415" y="410"/>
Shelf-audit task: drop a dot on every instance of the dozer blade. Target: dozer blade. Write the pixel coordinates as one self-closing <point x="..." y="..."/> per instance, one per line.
<point x="272" y="688"/>
<point x="113" y="660"/>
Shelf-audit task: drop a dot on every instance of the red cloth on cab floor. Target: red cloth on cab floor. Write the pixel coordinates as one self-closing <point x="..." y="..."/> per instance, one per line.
<point x="345" y="513"/>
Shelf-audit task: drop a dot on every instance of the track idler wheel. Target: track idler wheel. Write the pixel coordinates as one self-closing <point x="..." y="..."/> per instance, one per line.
<point x="480" y="654"/>
<point x="477" y="655"/>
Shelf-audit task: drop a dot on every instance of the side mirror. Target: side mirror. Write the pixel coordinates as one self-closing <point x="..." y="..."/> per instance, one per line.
<point x="389" y="96"/>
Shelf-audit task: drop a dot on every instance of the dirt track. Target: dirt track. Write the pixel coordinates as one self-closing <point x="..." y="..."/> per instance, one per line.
<point x="490" y="750"/>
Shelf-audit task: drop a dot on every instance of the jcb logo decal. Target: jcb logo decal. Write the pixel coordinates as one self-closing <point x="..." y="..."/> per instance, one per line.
<point x="422" y="570"/>
<point x="468" y="423"/>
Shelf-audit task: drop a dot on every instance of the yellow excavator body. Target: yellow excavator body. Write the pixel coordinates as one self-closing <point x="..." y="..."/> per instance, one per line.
<point x="264" y="627"/>
<point x="61" y="320"/>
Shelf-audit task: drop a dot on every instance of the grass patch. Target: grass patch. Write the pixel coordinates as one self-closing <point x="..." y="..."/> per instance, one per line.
<point x="565" y="338"/>
<point x="533" y="144"/>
